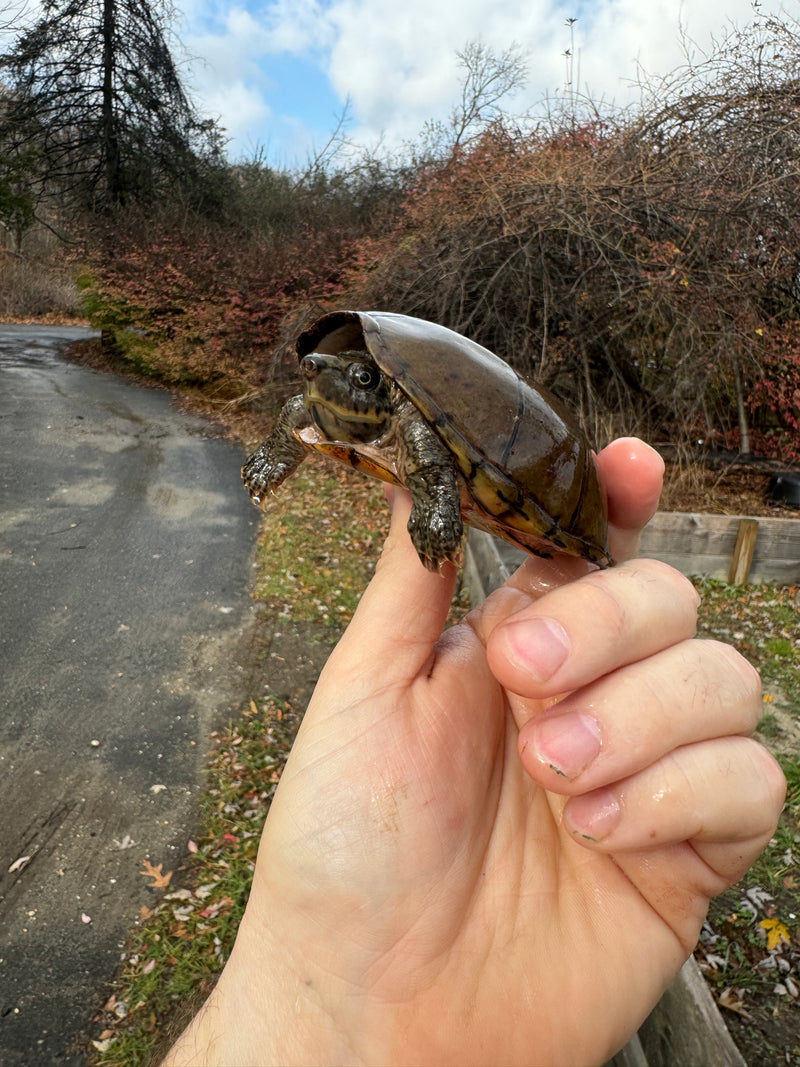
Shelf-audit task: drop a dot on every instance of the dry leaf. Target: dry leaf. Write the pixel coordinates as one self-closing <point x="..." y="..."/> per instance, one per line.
<point x="160" y="880"/>
<point x="733" y="1000"/>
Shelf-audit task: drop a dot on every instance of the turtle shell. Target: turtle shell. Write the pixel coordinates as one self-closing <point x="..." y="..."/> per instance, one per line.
<point x="527" y="473"/>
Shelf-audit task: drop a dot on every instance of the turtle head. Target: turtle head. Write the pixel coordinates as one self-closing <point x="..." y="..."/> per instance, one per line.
<point x="347" y="395"/>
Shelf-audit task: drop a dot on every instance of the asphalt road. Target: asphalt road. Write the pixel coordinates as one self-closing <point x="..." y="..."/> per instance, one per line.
<point x="126" y="547"/>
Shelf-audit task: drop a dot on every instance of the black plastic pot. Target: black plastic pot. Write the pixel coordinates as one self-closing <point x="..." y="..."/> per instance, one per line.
<point x="785" y="488"/>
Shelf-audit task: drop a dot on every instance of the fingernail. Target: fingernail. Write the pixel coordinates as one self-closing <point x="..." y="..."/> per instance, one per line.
<point x="537" y="646"/>
<point x="593" y="816"/>
<point x="566" y="743"/>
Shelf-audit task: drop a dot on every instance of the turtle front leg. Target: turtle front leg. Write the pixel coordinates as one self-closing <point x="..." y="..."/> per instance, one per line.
<point x="427" y="469"/>
<point x="280" y="455"/>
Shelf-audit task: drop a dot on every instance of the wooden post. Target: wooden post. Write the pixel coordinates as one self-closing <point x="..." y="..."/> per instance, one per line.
<point x="742" y="558"/>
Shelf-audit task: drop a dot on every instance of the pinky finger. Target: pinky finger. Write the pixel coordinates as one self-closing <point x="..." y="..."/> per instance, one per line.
<point x="723" y="796"/>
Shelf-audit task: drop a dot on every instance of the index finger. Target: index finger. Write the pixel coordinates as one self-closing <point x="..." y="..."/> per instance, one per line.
<point x="583" y="630"/>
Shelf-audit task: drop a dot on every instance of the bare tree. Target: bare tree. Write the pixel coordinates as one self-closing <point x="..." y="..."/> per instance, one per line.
<point x="92" y="88"/>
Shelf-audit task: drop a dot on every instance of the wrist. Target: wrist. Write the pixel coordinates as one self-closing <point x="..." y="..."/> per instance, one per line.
<point x="265" y="1009"/>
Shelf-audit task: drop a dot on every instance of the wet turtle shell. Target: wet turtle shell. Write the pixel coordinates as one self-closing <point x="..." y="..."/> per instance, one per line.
<point x="526" y="471"/>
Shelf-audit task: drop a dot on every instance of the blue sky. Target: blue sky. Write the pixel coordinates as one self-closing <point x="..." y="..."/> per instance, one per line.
<point x="278" y="74"/>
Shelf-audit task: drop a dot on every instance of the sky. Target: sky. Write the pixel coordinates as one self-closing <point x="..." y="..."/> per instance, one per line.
<point x="279" y="74"/>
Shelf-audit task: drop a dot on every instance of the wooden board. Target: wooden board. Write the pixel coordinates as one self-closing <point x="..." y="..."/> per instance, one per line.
<point x="705" y="545"/>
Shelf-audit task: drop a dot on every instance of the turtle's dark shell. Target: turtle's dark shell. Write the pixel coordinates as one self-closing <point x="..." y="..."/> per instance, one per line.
<point x="527" y="473"/>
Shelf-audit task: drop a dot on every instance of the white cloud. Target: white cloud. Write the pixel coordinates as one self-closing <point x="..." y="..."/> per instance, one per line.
<point x="243" y="108"/>
<point x="396" y="62"/>
<point x="297" y="25"/>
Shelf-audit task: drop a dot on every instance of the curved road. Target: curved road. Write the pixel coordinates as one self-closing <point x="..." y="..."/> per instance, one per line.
<point x="125" y="559"/>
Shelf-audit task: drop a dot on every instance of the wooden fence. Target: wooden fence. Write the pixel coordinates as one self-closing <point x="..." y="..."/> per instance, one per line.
<point x="734" y="548"/>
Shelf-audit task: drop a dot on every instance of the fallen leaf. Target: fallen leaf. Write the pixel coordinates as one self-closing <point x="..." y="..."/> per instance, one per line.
<point x="160" y="880"/>
<point x="192" y="846"/>
<point x="777" y="932"/>
<point x="733" y="1000"/>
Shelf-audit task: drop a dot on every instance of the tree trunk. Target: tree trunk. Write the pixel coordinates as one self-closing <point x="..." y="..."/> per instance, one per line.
<point x="744" y="429"/>
<point x="113" y="169"/>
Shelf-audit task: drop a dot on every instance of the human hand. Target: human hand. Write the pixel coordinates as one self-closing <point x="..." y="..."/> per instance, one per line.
<point x="459" y="866"/>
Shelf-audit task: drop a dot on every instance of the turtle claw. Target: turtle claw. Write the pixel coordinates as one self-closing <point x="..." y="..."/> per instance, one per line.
<point x="436" y="565"/>
<point x="436" y="537"/>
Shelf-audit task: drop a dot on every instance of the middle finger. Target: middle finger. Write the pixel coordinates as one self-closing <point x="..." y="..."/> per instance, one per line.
<point x="627" y="720"/>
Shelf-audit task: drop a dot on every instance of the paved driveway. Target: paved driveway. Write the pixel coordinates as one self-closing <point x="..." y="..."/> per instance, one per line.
<point x="125" y="556"/>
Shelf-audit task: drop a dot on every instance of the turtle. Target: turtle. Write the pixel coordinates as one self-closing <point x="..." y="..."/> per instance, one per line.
<point x="417" y="404"/>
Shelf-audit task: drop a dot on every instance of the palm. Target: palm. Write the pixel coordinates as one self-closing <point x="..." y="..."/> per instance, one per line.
<point x="467" y="877"/>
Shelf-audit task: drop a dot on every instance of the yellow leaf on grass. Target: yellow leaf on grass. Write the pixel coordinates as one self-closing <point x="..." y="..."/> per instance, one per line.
<point x="776" y="932"/>
<point x="160" y="880"/>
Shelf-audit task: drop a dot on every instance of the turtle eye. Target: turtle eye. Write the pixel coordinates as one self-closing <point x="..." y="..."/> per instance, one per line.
<point x="365" y="375"/>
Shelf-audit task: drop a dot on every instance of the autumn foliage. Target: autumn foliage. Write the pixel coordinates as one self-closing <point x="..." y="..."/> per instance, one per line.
<point x="644" y="264"/>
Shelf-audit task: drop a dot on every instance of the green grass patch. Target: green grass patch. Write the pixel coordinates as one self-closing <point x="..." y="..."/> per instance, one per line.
<point x="174" y="956"/>
<point x="763" y="623"/>
<point x="321" y="537"/>
<point x="750" y="946"/>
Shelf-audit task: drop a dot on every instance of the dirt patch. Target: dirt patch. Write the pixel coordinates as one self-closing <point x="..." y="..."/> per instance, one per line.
<point x="782" y="737"/>
<point x="283" y="656"/>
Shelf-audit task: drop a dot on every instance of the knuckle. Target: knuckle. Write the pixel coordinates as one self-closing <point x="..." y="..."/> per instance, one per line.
<point x="773" y="778"/>
<point x="744" y="674"/>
